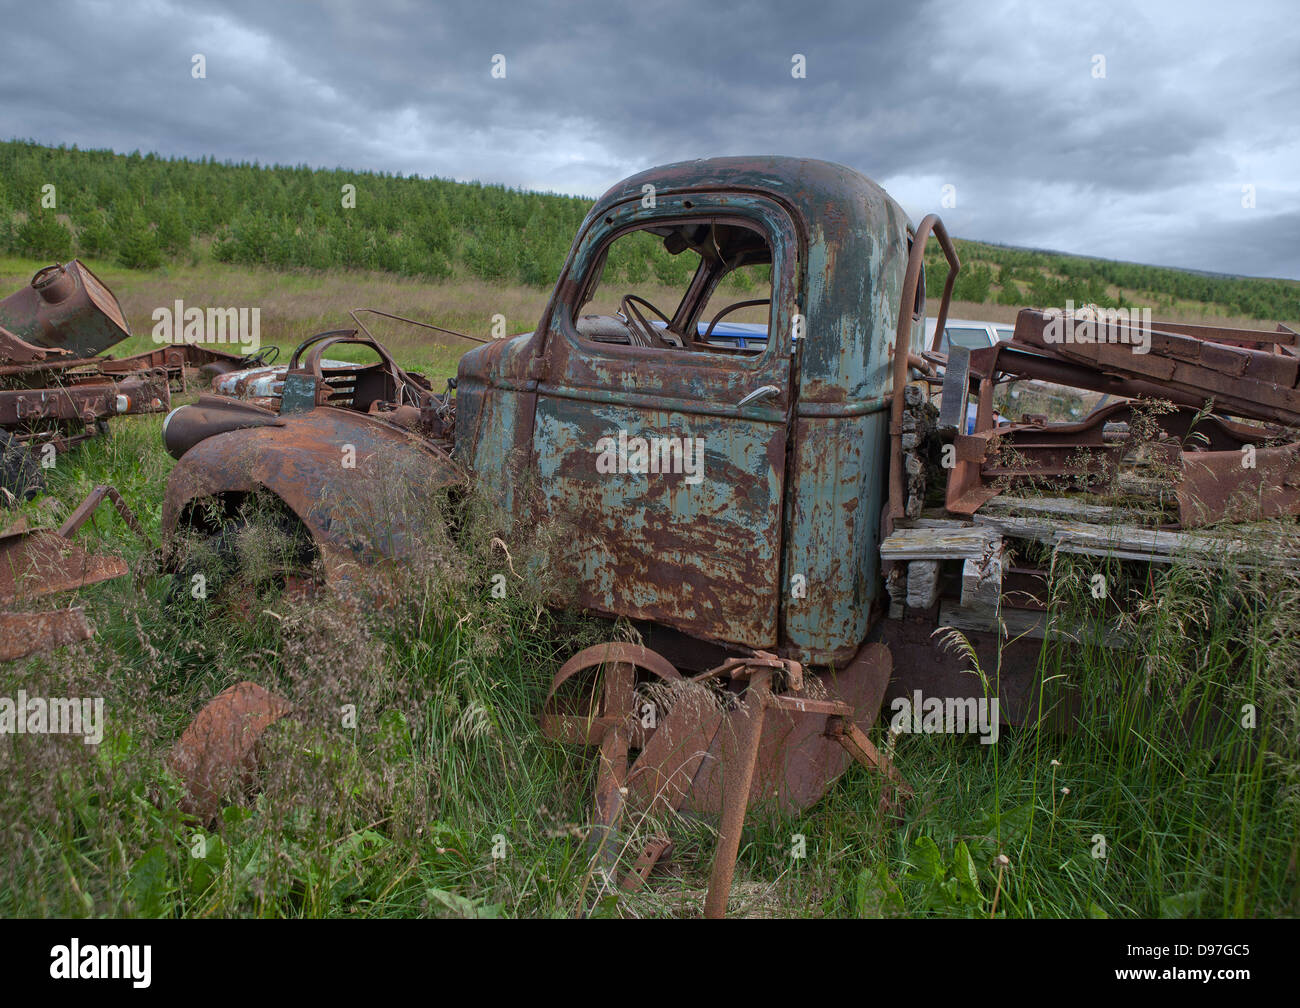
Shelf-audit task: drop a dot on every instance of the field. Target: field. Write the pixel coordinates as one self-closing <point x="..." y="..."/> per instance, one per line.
<point x="442" y="797"/>
<point x="445" y="767"/>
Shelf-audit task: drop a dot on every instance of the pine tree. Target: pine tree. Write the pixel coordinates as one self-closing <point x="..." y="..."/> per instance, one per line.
<point x="95" y="237"/>
<point x="137" y="246"/>
<point x="44" y="236"/>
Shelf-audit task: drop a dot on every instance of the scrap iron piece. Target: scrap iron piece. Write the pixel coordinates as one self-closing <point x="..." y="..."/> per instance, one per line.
<point x="216" y="755"/>
<point x="796" y="752"/>
<point x="656" y="849"/>
<point x="735" y="795"/>
<point x="39" y="562"/>
<point x="75" y="397"/>
<point x="856" y="744"/>
<point x="87" y="507"/>
<point x="610" y="726"/>
<point x="24" y="633"/>
<point x="1237" y="368"/>
<point x="64" y="310"/>
<point x="15" y="350"/>
<point x="1087" y="452"/>
<point x="1217" y="485"/>
<point x="761" y="734"/>
<point x="182" y="362"/>
<point x="912" y="281"/>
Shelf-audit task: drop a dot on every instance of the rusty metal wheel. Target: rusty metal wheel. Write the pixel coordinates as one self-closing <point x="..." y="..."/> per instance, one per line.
<point x="610" y="722"/>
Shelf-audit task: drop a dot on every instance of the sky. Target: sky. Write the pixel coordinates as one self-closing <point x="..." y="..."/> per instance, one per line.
<point x="1162" y="132"/>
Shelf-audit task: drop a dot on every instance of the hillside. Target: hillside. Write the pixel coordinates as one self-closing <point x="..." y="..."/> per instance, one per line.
<point x="143" y="211"/>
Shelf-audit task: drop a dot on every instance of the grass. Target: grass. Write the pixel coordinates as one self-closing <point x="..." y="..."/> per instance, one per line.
<point x="405" y="812"/>
<point x="297" y="304"/>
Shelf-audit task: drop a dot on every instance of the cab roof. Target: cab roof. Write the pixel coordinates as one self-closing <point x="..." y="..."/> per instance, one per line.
<point x="854" y="239"/>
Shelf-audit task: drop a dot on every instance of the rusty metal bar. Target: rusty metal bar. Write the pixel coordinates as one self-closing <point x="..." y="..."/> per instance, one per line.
<point x="856" y="744"/>
<point x="611" y="777"/>
<point x="902" y="348"/>
<point x="87" y="507"/>
<point x="410" y="321"/>
<point x="735" y="799"/>
<point x="85" y="399"/>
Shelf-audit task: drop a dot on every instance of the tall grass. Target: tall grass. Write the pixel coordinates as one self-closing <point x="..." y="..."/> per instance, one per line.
<point x="445" y="799"/>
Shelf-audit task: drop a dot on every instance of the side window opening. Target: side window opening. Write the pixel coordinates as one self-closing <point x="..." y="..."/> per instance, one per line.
<point x="965" y="336"/>
<point x="699" y="285"/>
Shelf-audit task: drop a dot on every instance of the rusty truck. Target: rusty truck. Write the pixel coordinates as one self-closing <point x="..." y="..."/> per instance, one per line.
<point x="787" y="517"/>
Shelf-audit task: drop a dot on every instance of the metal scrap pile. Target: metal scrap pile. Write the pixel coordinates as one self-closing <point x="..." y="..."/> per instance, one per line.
<point x="57" y="384"/>
<point x="58" y="387"/>
<point x="1227" y="445"/>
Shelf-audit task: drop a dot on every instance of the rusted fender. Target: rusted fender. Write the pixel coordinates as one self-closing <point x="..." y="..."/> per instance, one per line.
<point x="216" y="755"/>
<point x="331" y="467"/>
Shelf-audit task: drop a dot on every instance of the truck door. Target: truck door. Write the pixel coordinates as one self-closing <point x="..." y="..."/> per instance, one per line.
<point x="659" y="442"/>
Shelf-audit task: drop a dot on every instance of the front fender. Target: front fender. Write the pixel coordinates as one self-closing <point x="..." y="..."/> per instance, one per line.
<point x="342" y="473"/>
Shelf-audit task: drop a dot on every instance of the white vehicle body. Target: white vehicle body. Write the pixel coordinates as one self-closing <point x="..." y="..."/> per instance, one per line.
<point x="968" y="333"/>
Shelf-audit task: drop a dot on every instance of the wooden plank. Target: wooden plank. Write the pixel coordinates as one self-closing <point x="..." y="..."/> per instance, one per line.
<point x="956" y="389"/>
<point x="936" y="523"/>
<point x="1068" y="506"/>
<point x="981" y="583"/>
<point x="1145" y="486"/>
<point x="922" y="584"/>
<point x="1123" y="541"/>
<point x="956" y="543"/>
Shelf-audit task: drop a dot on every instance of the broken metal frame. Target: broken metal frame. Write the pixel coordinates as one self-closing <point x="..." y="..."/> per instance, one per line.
<point x="1195" y="368"/>
<point x="57" y="384"/>
<point x="38" y="562"/>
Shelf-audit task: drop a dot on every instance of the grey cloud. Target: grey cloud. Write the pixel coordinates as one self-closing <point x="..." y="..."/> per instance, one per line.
<point x="997" y="99"/>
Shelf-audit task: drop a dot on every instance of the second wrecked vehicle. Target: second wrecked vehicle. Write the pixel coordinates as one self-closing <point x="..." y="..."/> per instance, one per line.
<point x="762" y="507"/>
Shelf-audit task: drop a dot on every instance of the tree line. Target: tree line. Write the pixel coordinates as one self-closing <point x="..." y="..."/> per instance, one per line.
<point x="1013" y="276"/>
<point x="142" y="210"/>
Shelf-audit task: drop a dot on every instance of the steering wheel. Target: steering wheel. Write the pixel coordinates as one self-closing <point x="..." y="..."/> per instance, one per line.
<point x="728" y="309"/>
<point x="642" y="332"/>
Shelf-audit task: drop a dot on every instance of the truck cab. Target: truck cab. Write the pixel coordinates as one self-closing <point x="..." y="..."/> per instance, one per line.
<point x="770" y="539"/>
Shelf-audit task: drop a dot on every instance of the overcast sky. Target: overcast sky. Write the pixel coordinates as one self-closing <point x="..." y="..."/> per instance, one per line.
<point x="1119" y="130"/>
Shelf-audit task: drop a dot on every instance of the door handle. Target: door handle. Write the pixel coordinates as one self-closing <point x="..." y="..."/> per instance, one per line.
<point x="762" y="392"/>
